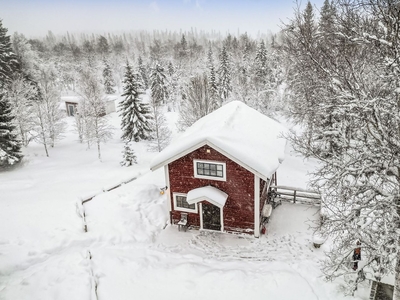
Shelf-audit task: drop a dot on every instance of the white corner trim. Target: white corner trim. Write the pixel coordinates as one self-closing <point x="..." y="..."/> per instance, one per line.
<point x="201" y="215"/>
<point x="168" y="191"/>
<point x="256" y="206"/>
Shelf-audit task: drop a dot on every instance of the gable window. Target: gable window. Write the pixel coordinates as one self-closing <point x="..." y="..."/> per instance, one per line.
<point x="209" y="170"/>
<point x="181" y="204"/>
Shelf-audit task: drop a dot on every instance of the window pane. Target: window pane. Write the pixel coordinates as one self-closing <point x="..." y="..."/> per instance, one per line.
<point x="208" y="169"/>
<point x="181" y="202"/>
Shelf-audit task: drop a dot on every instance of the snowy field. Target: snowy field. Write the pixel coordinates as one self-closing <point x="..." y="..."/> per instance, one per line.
<point x="129" y="251"/>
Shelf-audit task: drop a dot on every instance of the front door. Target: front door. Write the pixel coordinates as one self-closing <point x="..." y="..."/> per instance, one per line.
<point x="71" y="110"/>
<point x="211" y="217"/>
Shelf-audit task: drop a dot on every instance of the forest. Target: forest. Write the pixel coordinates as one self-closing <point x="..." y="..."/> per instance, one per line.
<point x="334" y="70"/>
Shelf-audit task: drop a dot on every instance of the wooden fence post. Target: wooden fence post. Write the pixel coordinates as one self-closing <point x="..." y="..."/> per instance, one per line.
<point x="294" y="196"/>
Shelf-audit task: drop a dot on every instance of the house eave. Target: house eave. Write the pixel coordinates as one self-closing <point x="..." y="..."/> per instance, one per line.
<point x="206" y="142"/>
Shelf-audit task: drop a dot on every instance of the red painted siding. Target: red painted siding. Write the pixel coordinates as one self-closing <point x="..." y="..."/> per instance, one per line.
<point x="239" y="185"/>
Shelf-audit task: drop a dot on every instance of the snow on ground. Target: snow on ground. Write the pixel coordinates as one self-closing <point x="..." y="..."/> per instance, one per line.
<point x="129" y="250"/>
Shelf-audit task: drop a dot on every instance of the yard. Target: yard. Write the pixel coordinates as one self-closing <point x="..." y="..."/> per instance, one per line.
<point x="129" y="250"/>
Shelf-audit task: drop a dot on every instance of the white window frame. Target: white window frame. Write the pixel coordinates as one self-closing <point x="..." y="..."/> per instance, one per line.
<point x="223" y="178"/>
<point x="176" y="207"/>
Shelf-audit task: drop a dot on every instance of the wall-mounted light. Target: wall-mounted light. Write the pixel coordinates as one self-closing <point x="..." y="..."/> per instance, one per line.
<point x="208" y="151"/>
<point x="163" y="189"/>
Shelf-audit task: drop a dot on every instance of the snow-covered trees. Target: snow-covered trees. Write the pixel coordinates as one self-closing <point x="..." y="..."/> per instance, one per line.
<point x="353" y="129"/>
<point x="20" y="94"/>
<point x="212" y="78"/>
<point x="161" y="135"/>
<point x="143" y="73"/>
<point x="108" y="79"/>
<point x="8" y="61"/>
<point x="158" y="84"/>
<point x="136" y="119"/>
<point x="261" y="66"/>
<point x="224" y="73"/>
<point x="9" y="143"/>
<point x="92" y="109"/>
<point x="198" y="102"/>
<point x="128" y="155"/>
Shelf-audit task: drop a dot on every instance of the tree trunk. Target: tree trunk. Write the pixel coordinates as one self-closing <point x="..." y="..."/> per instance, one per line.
<point x="98" y="150"/>
<point x="396" y="291"/>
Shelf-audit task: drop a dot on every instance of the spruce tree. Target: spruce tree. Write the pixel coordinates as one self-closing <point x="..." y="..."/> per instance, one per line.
<point x="136" y="118"/>
<point x="108" y="79"/>
<point x="128" y="155"/>
<point x="158" y="79"/>
<point x="143" y="73"/>
<point x="212" y="78"/>
<point x="261" y="65"/>
<point x="8" y="60"/>
<point x="224" y="73"/>
<point x="10" y="146"/>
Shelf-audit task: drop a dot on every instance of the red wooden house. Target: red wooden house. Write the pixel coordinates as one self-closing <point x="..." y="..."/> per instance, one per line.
<point x="218" y="171"/>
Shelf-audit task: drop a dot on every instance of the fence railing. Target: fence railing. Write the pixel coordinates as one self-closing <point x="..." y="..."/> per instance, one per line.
<point x="297" y="195"/>
<point x="80" y="209"/>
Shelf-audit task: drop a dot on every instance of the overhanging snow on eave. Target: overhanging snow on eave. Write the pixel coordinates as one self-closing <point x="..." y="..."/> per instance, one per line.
<point x="179" y="155"/>
<point x="206" y="142"/>
<point x="208" y="193"/>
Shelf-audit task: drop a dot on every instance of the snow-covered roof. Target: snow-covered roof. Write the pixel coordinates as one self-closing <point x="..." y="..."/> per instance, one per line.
<point x="209" y="193"/>
<point x="241" y="133"/>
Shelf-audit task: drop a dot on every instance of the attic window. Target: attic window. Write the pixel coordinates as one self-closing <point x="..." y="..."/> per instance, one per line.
<point x="209" y="170"/>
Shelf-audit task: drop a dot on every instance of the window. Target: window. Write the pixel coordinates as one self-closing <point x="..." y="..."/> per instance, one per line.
<point x="181" y="204"/>
<point x="209" y="170"/>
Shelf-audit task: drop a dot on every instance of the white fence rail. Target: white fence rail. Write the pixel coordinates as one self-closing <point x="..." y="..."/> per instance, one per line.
<point x="297" y="195"/>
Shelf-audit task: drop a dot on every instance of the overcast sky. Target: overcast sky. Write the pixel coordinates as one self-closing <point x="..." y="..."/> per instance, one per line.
<point x="34" y="18"/>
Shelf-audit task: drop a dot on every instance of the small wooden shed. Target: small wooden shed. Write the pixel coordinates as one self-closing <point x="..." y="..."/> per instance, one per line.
<point x="72" y="104"/>
<point x="218" y="171"/>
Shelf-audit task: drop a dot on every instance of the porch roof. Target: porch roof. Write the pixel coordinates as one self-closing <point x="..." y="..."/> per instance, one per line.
<point x="208" y="193"/>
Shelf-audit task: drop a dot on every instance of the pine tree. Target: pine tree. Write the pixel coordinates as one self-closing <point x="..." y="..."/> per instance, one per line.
<point x="212" y="79"/>
<point x="224" y="73"/>
<point x="136" y="118"/>
<point x="128" y="155"/>
<point x="327" y="21"/>
<point x="8" y="61"/>
<point x="261" y="66"/>
<point x="108" y="79"/>
<point x="158" y="79"/>
<point x="143" y="73"/>
<point x="9" y="144"/>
